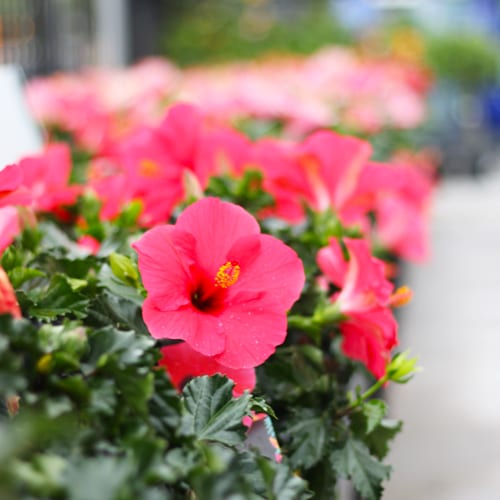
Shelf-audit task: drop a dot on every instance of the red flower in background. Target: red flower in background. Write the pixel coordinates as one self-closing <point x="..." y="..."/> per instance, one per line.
<point x="182" y="363"/>
<point x="8" y="301"/>
<point x="283" y="178"/>
<point x="152" y="175"/>
<point x="12" y="191"/>
<point x="216" y="282"/>
<point x="149" y="165"/>
<point x="46" y="176"/>
<point x="333" y="163"/>
<point x="322" y="171"/>
<point x="9" y="226"/>
<point x="370" y="330"/>
<point x="399" y="195"/>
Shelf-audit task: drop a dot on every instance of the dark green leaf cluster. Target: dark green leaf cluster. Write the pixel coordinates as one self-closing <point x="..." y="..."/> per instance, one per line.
<point x="321" y="432"/>
<point x="86" y="412"/>
<point x="98" y="419"/>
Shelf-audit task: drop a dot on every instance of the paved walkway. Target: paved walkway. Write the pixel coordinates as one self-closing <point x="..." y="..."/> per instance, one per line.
<point x="450" y="445"/>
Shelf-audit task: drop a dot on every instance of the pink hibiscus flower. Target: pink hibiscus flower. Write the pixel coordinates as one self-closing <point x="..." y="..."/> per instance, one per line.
<point x="216" y="282"/>
<point x="12" y="192"/>
<point x="152" y="175"/>
<point x="399" y="195"/>
<point x="150" y="165"/>
<point x="332" y="163"/>
<point x="283" y="178"/>
<point x="322" y="171"/>
<point x="10" y="226"/>
<point x="203" y="148"/>
<point x="370" y="330"/>
<point x="47" y="177"/>
<point x="107" y="180"/>
<point x="221" y="151"/>
<point x="8" y="301"/>
<point x="182" y="362"/>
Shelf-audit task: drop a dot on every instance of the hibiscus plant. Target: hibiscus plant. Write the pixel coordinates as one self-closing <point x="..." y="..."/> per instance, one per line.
<point x="187" y="313"/>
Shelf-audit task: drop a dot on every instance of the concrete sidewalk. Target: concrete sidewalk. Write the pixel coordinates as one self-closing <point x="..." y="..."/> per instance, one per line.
<point x="450" y="445"/>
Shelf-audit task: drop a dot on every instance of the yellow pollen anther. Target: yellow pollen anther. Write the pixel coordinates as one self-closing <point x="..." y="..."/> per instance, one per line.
<point x="227" y="274"/>
<point x="148" y="168"/>
<point x="401" y="297"/>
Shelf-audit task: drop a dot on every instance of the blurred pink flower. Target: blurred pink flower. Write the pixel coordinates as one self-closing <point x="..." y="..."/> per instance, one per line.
<point x="283" y="178"/>
<point x="216" y="282"/>
<point x="149" y="165"/>
<point x="99" y="106"/>
<point x="12" y="191"/>
<point x="152" y="175"/>
<point x="399" y="196"/>
<point x="182" y="363"/>
<point x="107" y="180"/>
<point x="370" y="330"/>
<point x="322" y="171"/>
<point x="89" y="243"/>
<point x="9" y="226"/>
<point x="46" y="176"/>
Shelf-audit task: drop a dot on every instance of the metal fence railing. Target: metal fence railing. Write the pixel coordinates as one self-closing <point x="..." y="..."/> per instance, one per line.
<point x="46" y="35"/>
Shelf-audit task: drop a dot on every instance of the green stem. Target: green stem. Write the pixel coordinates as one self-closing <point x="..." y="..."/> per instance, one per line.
<point x="302" y="322"/>
<point x="363" y="397"/>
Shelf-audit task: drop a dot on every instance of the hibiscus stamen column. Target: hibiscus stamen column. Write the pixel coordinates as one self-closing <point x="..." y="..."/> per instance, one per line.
<point x="227" y="274"/>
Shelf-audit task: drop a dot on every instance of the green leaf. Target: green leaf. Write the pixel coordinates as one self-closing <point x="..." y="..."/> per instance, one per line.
<point x="58" y="300"/>
<point x="378" y="440"/>
<point x="293" y="371"/>
<point x="109" y="309"/>
<point x="374" y="411"/>
<point x="20" y="275"/>
<point x="103" y="397"/>
<point x="126" y="347"/>
<point x="120" y="287"/>
<point x="54" y="237"/>
<point x="101" y="478"/>
<point x="42" y="475"/>
<point x="322" y="480"/>
<point x="213" y="414"/>
<point x="309" y="439"/>
<point x="353" y="461"/>
<point x="282" y="483"/>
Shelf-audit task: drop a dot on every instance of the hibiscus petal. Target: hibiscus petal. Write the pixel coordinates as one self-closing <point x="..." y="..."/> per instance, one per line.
<point x="366" y="275"/>
<point x="9" y="226"/>
<point x="275" y="269"/>
<point x="369" y="338"/>
<point x="162" y="264"/>
<point x="216" y="225"/>
<point x="340" y="158"/>
<point x="253" y="330"/>
<point x="11" y="178"/>
<point x="182" y="363"/>
<point x="186" y="324"/>
<point x="331" y="261"/>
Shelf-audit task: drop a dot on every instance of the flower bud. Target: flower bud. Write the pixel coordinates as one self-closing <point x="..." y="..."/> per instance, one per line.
<point x="12" y="403"/>
<point x="401" y="369"/>
<point x="123" y="268"/>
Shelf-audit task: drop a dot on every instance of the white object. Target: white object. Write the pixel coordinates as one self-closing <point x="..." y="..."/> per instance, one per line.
<point x="19" y="134"/>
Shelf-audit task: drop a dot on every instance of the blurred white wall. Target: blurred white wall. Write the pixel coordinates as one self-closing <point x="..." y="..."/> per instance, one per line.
<point x="19" y="135"/>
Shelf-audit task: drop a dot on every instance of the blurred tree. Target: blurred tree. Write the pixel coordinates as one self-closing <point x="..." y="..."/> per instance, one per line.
<point x="213" y="30"/>
<point x="469" y="60"/>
